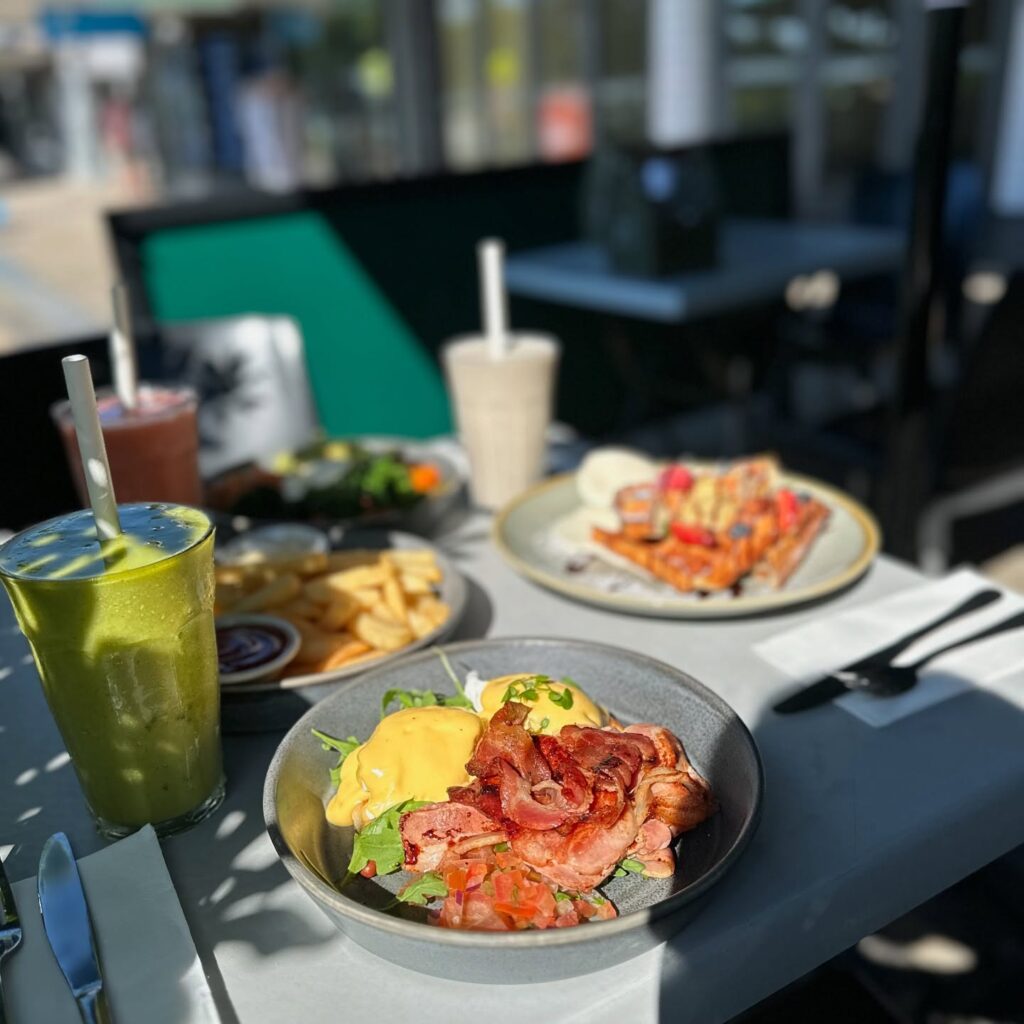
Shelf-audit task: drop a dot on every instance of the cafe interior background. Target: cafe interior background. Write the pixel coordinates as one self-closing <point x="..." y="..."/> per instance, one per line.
<point x="336" y="161"/>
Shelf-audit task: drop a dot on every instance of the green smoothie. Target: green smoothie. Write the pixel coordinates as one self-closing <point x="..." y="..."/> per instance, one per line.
<point x="123" y="638"/>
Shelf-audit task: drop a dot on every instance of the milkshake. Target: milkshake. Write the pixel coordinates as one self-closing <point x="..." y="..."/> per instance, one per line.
<point x="502" y="407"/>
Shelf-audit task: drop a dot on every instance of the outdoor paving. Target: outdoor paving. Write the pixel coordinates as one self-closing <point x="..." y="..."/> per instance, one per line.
<point x="55" y="262"/>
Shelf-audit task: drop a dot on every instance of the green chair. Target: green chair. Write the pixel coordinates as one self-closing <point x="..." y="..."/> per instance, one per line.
<point x="369" y="372"/>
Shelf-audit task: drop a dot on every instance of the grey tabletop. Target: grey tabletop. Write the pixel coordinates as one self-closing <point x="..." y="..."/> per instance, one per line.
<point x="859" y="825"/>
<point x="757" y="259"/>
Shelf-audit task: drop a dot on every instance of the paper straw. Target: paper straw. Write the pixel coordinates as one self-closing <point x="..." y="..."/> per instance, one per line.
<point x="78" y="378"/>
<point x="494" y="301"/>
<point x="122" y="349"/>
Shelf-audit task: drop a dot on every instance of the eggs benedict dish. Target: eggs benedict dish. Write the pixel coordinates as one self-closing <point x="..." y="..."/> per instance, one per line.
<point x="553" y="703"/>
<point x="413" y="754"/>
<point x="511" y="801"/>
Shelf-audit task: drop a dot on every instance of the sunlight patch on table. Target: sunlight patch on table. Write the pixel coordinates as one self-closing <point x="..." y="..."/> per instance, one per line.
<point x="257" y="856"/>
<point x="230" y="823"/>
<point x="931" y="954"/>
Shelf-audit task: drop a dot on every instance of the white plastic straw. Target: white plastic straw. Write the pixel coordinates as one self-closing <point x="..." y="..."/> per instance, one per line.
<point x="78" y="378"/>
<point x="122" y="350"/>
<point x="494" y="301"/>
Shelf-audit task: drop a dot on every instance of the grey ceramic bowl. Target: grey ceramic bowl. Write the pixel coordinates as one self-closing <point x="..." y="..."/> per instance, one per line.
<point x="634" y="688"/>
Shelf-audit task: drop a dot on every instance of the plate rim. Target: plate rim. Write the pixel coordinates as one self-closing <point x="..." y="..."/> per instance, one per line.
<point x="458" y="603"/>
<point x="348" y="908"/>
<point x="738" y="607"/>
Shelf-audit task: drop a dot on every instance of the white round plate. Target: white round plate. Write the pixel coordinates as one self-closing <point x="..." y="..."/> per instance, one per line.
<point x="544" y="535"/>
<point x="452" y="590"/>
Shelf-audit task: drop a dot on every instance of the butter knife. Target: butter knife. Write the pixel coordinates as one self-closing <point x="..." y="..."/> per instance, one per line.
<point x="842" y="680"/>
<point x="66" y="922"/>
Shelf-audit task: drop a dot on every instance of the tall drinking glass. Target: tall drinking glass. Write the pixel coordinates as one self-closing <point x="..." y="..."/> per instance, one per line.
<point x="153" y="449"/>
<point x="502" y="410"/>
<point x="123" y="637"/>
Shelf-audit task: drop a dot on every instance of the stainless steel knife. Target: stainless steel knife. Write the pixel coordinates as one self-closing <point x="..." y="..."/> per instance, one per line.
<point x="843" y="680"/>
<point x="66" y="921"/>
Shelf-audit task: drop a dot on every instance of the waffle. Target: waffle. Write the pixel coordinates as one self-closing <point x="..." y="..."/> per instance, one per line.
<point x="709" y="535"/>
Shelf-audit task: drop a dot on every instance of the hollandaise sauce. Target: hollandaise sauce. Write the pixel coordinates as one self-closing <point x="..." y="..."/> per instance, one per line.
<point x="413" y="754"/>
<point x="553" y="703"/>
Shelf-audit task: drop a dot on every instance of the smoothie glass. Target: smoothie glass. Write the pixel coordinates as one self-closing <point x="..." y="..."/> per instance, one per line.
<point x="153" y="449"/>
<point x="123" y="638"/>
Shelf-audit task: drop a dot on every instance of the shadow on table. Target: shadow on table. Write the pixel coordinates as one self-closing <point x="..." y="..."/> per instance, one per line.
<point x="227" y="874"/>
<point x="226" y="869"/>
<point x="829" y="888"/>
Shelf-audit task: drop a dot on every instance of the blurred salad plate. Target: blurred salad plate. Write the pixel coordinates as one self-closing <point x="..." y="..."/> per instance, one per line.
<point x="338" y="482"/>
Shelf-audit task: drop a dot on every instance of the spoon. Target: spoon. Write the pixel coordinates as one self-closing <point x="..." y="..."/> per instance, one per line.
<point x="890" y="680"/>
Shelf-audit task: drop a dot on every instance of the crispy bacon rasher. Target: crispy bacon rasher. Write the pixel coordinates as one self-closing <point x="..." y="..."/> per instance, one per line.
<point x="570" y="807"/>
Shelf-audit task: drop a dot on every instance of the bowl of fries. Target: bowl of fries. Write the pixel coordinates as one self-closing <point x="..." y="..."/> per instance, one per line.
<point x="380" y="595"/>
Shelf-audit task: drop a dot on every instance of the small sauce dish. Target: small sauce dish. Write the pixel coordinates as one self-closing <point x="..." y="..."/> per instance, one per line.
<point x="251" y="647"/>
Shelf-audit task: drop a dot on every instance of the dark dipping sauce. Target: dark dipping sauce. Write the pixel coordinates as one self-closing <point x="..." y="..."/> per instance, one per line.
<point x="247" y="646"/>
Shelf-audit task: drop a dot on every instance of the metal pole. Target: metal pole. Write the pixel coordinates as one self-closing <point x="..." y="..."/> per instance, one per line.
<point x="908" y="474"/>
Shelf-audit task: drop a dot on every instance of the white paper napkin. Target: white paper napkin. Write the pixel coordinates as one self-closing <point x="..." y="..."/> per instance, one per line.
<point x="809" y="651"/>
<point x="150" y="968"/>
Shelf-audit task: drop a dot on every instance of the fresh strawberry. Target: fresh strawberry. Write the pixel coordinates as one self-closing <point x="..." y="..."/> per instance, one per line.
<point x="690" y="534"/>
<point x="788" y="507"/>
<point x="675" y="478"/>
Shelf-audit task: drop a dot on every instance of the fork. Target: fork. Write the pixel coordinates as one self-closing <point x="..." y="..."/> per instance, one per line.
<point x="10" y="928"/>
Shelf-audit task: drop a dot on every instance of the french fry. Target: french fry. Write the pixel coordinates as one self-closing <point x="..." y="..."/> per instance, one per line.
<point x="229" y="575"/>
<point x="366" y="597"/>
<point x="304" y="565"/>
<point x="428" y="604"/>
<point x="303" y="608"/>
<point x="420" y="624"/>
<point x="431" y="573"/>
<point x="405" y="557"/>
<point x="319" y="591"/>
<point x="432" y="609"/>
<point x="307" y="630"/>
<point x="382" y="611"/>
<point x="413" y="584"/>
<point x="339" y="613"/>
<point x="324" y="589"/>
<point x="351" y="650"/>
<point x="249" y="577"/>
<point x="319" y="648"/>
<point x="338" y="560"/>
<point x="394" y="598"/>
<point x="360" y="576"/>
<point x="380" y="633"/>
<point x="368" y="656"/>
<point x="277" y="592"/>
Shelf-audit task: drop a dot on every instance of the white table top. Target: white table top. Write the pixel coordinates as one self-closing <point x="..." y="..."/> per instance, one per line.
<point x="859" y="825"/>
